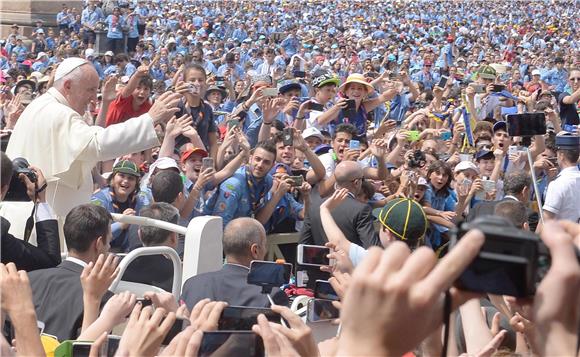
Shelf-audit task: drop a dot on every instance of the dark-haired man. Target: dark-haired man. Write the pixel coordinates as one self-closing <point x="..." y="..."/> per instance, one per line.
<point x="57" y="292"/>
<point x="133" y="100"/>
<point x="251" y="191"/>
<point x="156" y="270"/>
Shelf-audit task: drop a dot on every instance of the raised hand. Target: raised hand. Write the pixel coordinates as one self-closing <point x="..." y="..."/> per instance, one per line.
<point x="98" y="276"/>
<point x="15" y="290"/>
<point x="118" y="307"/>
<point x="205" y="315"/>
<point x="165" y="107"/>
<point x="205" y="176"/>
<point x="177" y="126"/>
<point x="109" y="90"/>
<point x="393" y="285"/>
<point x="275" y="343"/>
<point x="299" y="335"/>
<point x="145" y="331"/>
<point x="336" y="199"/>
<point x="556" y="312"/>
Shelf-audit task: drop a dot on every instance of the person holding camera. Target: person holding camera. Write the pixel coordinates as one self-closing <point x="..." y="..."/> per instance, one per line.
<point x="23" y="254"/>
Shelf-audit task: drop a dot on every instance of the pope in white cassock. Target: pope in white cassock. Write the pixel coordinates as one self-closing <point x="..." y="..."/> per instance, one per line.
<point x="52" y="135"/>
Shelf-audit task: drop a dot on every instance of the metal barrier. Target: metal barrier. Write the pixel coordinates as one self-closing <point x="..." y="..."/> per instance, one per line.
<point x="202" y="250"/>
<point x="136" y="288"/>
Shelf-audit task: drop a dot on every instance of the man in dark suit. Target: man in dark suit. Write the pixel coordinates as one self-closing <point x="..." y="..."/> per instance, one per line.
<point x="516" y="186"/>
<point x="244" y="240"/>
<point x="57" y="292"/>
<point x="46" y="253"/>
<point x="353" y="217"/>
<point x="155" y="270"/>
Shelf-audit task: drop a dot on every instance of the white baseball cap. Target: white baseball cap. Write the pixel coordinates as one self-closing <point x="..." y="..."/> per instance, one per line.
<point x="466" y="165"/>
<point x="312" y="131"/>
<point x="89" y="52"/>
<point x="109" y="53"/>
<point x="40" y="55"/>
<point x="536" y="72"/>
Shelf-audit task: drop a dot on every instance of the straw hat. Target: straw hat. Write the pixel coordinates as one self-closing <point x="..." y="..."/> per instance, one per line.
<point x="356" y="78"/>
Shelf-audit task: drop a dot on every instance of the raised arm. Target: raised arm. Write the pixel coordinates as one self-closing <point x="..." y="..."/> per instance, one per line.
<point x="128" y="90"/>
<point x="109" y="94"/>
<point x="331" y="229"/>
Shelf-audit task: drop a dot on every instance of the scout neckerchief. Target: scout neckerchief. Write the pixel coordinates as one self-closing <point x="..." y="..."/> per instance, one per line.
<point x="195" y="112"/>
<point x="255" y="199"/>
<point x="120" y="207"/>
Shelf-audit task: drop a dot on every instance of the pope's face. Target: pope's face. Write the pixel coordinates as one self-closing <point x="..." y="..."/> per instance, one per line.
<point x="83" y="90"/>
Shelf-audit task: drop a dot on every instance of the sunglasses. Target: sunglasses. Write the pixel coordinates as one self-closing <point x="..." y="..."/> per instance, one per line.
<point x="576" y="79"/>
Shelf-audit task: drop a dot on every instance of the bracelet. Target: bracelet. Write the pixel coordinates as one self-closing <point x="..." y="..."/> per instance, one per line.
<point x="270" y="123"/>
<point x="299" y="118"/>
<point x="42" y="188"/>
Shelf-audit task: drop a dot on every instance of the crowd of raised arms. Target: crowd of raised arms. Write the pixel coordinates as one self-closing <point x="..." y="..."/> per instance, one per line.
<point x="421" y="157"/>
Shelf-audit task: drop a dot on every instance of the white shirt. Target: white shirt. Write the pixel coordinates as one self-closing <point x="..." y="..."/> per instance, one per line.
<point x="561" y="197"/>
<point x="329" y="162"/>
<point x="77" y="261"/>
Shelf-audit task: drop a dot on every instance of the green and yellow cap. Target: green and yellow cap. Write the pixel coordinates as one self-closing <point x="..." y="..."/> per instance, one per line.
<point x="405" y="219"/>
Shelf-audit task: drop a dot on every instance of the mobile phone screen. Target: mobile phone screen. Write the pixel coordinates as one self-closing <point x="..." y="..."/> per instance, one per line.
<point x="527" y="124"/>
<point x="313" y="255"/>
<point x="228" y="343"/>
<point x="288" y="137"/>
<point x="442" y="82"/>
<point x="241" y="318"/>
<point x="321" y="310"/>
<point x="350" y="110"/>
<point x="354" y="145"/>
<point x="112" y="345"/>
<point x="206" y="163"/>
<point x="323" y="290"/>
<point x="269" y="273"/>
<point x="81" y="349"/>
<point x="316" y="106"/>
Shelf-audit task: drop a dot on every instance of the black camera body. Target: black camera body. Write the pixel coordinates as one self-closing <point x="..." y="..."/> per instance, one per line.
<point x="511" y="261"/>
<point x="17" y="189"/>
<point x="417" y="159"/>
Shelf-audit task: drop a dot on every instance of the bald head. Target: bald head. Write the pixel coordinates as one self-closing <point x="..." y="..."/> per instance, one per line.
<point x="347" y="171"/>
<point x="239" y="236"/>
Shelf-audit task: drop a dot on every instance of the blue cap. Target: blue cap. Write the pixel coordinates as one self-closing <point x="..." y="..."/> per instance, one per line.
<point x="500" y="125"/>
<point x="567" y="141"/>
<point x="483" y="153"/>
<point x="322" y="149"/>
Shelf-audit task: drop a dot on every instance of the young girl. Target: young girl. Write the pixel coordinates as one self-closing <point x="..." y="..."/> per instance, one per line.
<point x="439" y="202"/>
<point x="358" y="89"/>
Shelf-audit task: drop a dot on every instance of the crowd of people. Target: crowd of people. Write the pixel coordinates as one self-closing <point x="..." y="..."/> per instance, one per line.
<point x="378" y="130"/>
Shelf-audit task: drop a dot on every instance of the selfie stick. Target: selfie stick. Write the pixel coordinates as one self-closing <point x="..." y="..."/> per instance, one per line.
<point x="270" y="299"/>
<point x="535" y="184"/>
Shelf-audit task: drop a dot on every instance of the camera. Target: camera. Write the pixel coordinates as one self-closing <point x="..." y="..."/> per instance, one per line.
<point x="417" y="159"/>
<point x="17" y="190"/>
<point x="511" y="261"/>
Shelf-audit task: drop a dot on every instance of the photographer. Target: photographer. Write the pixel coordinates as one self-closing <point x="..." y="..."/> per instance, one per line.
<point x="25" y="255"/>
